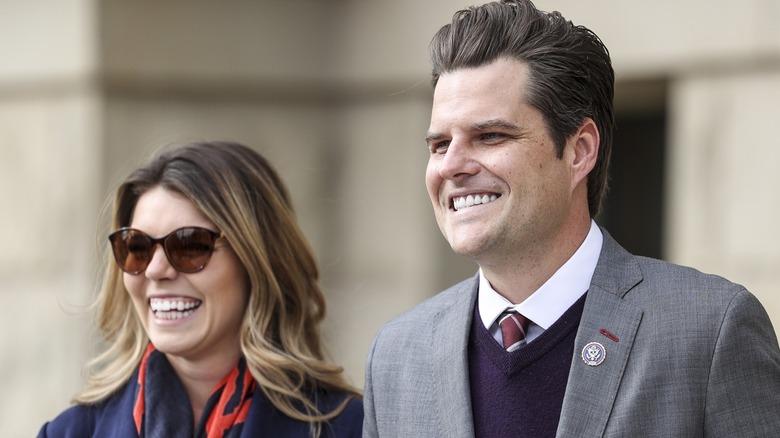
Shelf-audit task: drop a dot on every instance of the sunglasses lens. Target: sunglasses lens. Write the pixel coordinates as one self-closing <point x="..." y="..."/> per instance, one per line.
<point x="189" y="249"/>
<point x="132" y="250"/>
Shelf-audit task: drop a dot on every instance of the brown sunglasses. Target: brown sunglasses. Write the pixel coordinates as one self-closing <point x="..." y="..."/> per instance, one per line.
<point x="188" y="249"/>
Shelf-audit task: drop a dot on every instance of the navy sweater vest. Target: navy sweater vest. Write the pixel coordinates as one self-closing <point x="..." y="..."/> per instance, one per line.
<point x="520" y="394"/>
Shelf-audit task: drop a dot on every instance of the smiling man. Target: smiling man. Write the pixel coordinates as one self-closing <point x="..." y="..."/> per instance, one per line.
<point x="562" y="332"/>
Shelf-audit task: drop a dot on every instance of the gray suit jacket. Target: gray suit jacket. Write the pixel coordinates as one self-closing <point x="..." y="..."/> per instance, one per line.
<point x="695" y="356"/>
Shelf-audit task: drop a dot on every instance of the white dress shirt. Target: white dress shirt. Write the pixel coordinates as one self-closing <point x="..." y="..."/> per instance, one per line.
<point x="553" y="298"/>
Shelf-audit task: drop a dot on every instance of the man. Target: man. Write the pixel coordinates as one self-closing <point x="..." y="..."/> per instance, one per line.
<point x="603" y="343"/>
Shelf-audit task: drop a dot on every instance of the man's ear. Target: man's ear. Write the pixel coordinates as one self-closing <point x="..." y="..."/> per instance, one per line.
<point x="585" y="150"/>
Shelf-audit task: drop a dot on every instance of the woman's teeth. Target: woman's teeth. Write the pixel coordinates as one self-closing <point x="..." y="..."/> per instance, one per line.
<point x="172" y="308"/>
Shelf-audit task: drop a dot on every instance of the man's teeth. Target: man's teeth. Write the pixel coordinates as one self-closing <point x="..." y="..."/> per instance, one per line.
<point x="173" y="308"/>
<point x="470" y="200"/>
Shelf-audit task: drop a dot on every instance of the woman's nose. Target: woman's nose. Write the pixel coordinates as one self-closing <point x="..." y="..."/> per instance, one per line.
<point x="159" y="267"/>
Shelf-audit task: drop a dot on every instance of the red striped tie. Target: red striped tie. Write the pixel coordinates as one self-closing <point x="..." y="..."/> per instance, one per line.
<point x="513" y="328"/>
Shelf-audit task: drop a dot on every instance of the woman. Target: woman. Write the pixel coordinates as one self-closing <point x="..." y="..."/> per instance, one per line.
<point x="211" y="311"/>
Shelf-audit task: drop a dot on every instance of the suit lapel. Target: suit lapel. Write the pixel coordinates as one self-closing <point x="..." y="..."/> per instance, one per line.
<point x="611" y="322"/>
<point x="452" y="396"/>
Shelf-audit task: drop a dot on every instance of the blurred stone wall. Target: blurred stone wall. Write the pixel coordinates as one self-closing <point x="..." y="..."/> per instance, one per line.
<point x="337" y="95"/>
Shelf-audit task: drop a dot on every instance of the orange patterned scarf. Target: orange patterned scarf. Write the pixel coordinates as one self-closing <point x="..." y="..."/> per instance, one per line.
<point x="163" y="409"/>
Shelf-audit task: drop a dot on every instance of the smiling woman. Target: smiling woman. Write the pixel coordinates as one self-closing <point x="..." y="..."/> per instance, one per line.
<point x="211" y="310"/>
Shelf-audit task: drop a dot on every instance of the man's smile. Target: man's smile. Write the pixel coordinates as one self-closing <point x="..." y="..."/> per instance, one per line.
<point x="461" y="202"/>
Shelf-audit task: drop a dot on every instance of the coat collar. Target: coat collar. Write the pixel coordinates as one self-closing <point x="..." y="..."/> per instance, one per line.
<point x="612" y="323"/>
<point x="265" y="419"/>
<point x="451" y="326"/>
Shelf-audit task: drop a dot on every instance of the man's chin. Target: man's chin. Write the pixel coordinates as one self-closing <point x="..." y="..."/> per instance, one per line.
<point x="468" y="248"/>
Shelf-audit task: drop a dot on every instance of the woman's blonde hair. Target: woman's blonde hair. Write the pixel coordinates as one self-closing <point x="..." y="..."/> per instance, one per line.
<point x="238" y="190"/>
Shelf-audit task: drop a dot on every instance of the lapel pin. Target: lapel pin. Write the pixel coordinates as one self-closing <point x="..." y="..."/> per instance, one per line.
<point x="594" y="354"/>
<point x="609" y="335"/>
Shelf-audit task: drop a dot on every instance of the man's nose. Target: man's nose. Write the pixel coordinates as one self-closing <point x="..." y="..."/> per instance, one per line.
<point x="459" y="161"/>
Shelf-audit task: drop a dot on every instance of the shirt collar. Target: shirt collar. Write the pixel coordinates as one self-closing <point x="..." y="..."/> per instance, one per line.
<point x="556" y="295"/>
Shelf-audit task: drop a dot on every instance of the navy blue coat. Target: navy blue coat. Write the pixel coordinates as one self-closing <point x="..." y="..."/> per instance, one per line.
<point x="114" y="417"/>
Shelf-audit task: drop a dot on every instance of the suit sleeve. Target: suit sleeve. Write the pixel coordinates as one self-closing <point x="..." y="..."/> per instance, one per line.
<point x="369" y="419"/>
<point x="743" y="393"/>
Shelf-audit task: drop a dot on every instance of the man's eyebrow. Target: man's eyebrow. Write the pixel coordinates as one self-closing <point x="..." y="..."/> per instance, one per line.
<point x="477" y="127"/>
<point x="432" y="136"/>
<point x="495" y="124"/>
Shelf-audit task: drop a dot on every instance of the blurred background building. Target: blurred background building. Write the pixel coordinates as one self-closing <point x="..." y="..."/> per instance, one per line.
<point x="336" y="93"/>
